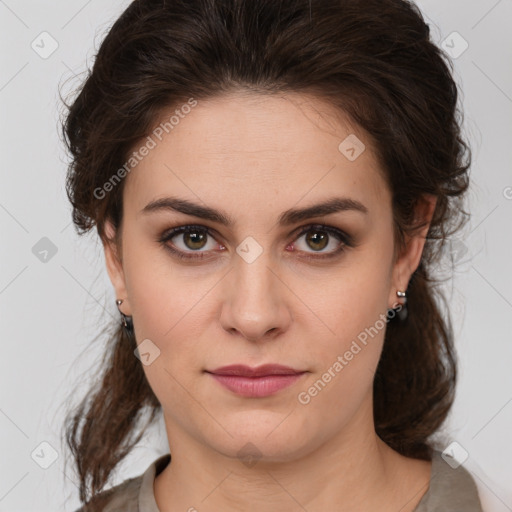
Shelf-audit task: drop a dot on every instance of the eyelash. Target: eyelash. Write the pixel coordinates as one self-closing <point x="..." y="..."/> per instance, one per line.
<point x="345" y="239"/>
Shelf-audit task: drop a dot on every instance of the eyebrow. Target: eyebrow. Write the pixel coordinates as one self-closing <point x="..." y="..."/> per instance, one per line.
<point x="291" y="216"/>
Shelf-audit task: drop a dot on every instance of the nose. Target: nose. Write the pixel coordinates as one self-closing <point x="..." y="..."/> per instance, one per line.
<point x="255" y="301"/>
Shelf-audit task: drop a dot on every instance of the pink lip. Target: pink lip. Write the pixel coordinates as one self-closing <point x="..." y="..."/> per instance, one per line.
<point x="243" y="370"/>
<point x="256" y="382"/>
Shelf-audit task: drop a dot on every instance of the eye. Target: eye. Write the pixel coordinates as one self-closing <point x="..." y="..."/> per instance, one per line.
<point x="195" y="238"/>
<point x="319" y="237"/>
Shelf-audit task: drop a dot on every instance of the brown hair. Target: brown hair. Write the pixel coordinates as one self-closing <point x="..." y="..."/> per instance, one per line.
<point x="373" y="60"/>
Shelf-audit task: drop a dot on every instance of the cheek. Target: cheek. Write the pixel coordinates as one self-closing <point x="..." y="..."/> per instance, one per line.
<point x="169" y="306"/>
<point x="354" y="307"/>
<point x="345" y="364"/>
<point x="159" y="295"/>
<point x="354" y="298"/>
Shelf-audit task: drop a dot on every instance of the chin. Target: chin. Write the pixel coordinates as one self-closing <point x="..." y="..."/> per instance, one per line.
<point x="265" y="440"/>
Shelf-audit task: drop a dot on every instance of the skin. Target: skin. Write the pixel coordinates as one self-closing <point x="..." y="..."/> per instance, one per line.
<point x="253" y="157"/>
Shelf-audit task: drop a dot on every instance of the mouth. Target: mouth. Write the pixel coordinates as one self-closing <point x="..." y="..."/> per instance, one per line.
<point x="242" y="370"/>
<point x="256" y="382"/>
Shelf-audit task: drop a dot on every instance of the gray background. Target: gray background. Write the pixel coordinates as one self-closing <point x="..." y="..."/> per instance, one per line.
<point x="50" y="310"/>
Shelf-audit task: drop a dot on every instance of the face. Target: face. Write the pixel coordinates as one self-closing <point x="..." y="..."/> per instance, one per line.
<point x="271" y="286"/>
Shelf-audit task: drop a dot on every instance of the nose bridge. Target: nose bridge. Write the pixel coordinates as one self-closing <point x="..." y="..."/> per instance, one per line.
<point x="252" y="273"/>
<point x="253" y="304"/>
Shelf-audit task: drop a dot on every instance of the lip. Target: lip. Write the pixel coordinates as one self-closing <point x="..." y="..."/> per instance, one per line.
<point x="243" y="370"/>
<point x="256" y="382"/>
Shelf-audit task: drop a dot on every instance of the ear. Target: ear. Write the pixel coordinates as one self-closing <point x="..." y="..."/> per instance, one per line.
<point x="115" y="268"/>
<point x="410" y="256"/>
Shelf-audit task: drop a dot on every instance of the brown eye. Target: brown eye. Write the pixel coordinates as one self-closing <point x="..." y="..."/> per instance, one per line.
<point x="318" y="237"/>
<point x="185" y="240"/>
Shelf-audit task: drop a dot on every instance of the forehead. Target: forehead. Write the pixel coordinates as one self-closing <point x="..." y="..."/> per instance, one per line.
<point x="252" y="150"/>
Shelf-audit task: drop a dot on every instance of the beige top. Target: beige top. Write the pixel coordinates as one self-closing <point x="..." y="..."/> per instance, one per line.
<point x="450" y="490"/>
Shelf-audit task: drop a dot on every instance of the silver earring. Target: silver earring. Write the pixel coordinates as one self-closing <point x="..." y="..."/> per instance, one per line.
<point x="402" y="313"/>
<point x="125" y="320"/>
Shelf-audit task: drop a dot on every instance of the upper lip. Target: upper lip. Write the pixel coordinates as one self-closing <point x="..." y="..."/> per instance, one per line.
<point x="258" y="371"/>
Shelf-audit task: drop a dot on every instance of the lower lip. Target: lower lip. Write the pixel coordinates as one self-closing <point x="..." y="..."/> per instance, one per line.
<point x="256" y="386"/>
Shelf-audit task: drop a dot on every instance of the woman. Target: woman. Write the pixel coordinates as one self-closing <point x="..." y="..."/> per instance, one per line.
<point x="273" y="183"/>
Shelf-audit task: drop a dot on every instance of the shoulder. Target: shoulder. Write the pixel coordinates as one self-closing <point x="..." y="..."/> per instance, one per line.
<point x="123" y="497"/>
<point x="451" y="488"/>
<point x="132" y="494"/>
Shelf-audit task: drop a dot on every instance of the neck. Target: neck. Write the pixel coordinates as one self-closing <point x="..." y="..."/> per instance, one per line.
<point x="354" y="470"/>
